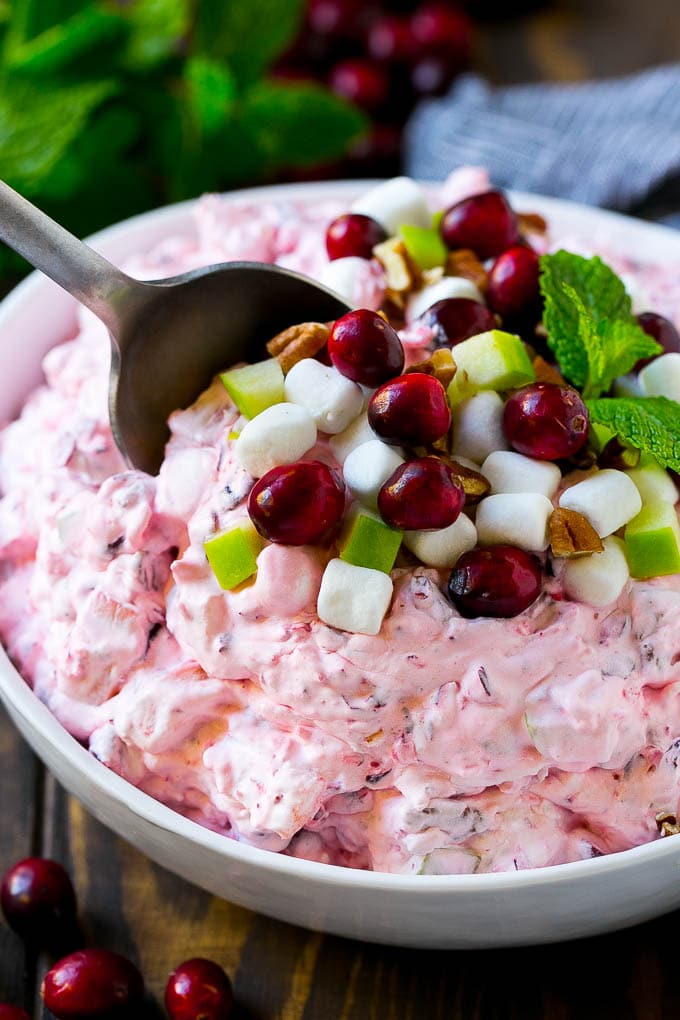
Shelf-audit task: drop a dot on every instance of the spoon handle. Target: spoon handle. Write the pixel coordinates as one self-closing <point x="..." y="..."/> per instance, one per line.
<point x="69" y="262"/>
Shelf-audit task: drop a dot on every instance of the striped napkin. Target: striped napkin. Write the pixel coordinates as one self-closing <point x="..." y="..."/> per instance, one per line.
<point x="613" y="143"/>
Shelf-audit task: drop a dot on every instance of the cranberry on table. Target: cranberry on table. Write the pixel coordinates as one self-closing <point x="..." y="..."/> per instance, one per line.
<point x="298" y="504"/>
<point x="390" y="38"/>
<point x="485" y="223"/>
<point x="38" y="900"/>
<point x="8" y="1012"/>
<point x="361" y="81"/>
<point x="411" y="410"/>
<point x="513" y="281"/>
<point x="546" y="421"/>
<point x="662" y="330"/>
<point x="199" y="990"/>
<point x="335" y="18"/>
<point x="365" y="348"/>
<point x="453" y="320"/>
<point x="421" y="495"/>
<point x="92" y="983"/>
<point x="498" y="581"/>
<point x="353" y="234"/>
<point x="440" y="28"/>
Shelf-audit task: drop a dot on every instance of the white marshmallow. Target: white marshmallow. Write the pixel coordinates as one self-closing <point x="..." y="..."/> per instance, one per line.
<point x="393" y="203"/>
<point x="627" y="386"/>
<point x="654" y="484"/>
<point x="367" y="468"/>
<point x="508" y="471"/>
<point x="356" y="433"/>
<point x="443" y="548"/>
<point x="354" y="598"/>
<point x="478" y="426"/>
<point x="515" y="518"/>
<point x="607" y="498"/>
<point x="343" y="277"/>
<point x="447" y="287"/>
<point x="599" y="578"/>
<point x="661" y="377"/>
<point x="278" y="435"/>
<point x="332" y="399"/>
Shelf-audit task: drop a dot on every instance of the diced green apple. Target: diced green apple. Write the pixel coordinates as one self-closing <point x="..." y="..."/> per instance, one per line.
<point x="653" y="541"/>
<point x="253" y="388"/>
<point x="424" y="245"/>
<point x="489" y="361"/>
<point x="369" y="542"/>
<point x="233" y="554"/>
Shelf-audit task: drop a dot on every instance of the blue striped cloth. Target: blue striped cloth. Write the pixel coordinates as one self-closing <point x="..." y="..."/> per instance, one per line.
<point x="613" y="143"/>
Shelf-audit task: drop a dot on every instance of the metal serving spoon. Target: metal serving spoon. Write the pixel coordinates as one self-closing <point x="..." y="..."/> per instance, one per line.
<point x="168" y="337"/>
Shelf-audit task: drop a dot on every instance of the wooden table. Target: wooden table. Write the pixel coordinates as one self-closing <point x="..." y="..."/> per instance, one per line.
<point x="284" y="973"/>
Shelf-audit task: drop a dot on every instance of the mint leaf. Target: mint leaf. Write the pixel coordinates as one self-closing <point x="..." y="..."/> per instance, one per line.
<point x="247" y="35"/>
<point x="59" y="47"/>
<point x="157" y="30"/>
<point x="211" y="92"/>
<point x="651" y="424"/>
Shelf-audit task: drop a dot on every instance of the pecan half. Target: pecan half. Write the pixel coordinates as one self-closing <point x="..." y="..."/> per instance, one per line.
<point x="400" y="275"/>
<point x="532" y="223"/>
<point x="464" y="262"/>
<point x="303" y="340"/>
<point x="572" y="535"/>
<point x="668" y="824"/>
<point x="440" y="364"/>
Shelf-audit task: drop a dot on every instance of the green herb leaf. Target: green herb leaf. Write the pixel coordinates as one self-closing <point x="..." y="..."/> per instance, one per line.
<point x="211" y="92"/>
<point x="59" y="47"/>
<point x="651" y="424"/>
<point x="247" y="35"/>
<point x="157" y="29"/>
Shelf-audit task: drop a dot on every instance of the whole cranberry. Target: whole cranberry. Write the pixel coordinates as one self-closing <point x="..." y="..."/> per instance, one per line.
<point x="198" y="990"/>
<point x="361" y="81"/>
<point x="365" y="348"/>
<point x="411" y="410"/>
<point x="298" y="504"/>
<point x="334" y="18"/>
<point x="421" y="495"/>
<point x="485" y="223"/>
<point x="91" y="983"/>
<point x="390" y="39"/>
<point x="443" y="29"/>
<point x="453" y="320"/>
<point x="546" y="421"/>
<point x="353" y="234"/>
<point x="38" y="901"/>
<point x="8" y="1012"/>
<point x="662" y="330"/>
<point x="498" y="581"/>
<point x="513" y="281"/>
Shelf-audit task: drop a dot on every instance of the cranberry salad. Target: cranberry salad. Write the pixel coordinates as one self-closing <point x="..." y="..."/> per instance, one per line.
<point x="404" y="595"/>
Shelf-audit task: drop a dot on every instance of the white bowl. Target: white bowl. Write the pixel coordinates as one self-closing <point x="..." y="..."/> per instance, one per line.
<point x="456" y="911"/>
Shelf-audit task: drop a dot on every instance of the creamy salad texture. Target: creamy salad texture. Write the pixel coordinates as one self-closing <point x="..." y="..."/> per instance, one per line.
<point x="440" y="744"/>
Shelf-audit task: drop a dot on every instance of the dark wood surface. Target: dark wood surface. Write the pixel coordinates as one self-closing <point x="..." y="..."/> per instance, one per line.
<point x="285" y="973"/>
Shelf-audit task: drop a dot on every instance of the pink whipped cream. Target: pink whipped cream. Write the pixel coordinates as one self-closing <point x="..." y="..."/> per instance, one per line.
<point x="441" y="744"/>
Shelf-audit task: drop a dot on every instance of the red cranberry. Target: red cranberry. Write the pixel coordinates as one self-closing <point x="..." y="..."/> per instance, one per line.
<point x="411" y="410"/>
<point x="298" y="504"/>
<point x="438" y="28"/>
<point x="485" y="223"/>
<point x="91" y="983"/>
<point x="365" y="348"/>
<point x="8" y="1012"/>
<point x="498" y="581"/>
<point x="378" y="151"/>
<point x="353" y="234"/>
<point x="455" y="319"/>
<point x="198" y="990"/>
<point x="38" y="900"/>
<point x="421" y="494"/>
<point x="513" y="281"/>
<point x="663" y="331"/>
<point x="336" y="18"/>
<point x="360" y="81"/>
<point x="546" y="421"/>
<point x="390" y="39"/>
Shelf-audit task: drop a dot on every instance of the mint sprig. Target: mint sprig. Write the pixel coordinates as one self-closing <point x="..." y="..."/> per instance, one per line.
<point x="651" y="424"/>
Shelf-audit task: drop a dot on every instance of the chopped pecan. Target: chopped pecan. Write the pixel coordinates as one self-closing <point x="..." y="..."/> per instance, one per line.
<point x="545" y="372"/>
<point x="475" y="484"/>
<point x="303" y="340"/>
<point x="464" y="262"/>
<point x="668" y="824"/>
<point x="532" y="223"/>
<point x="572" y="535"/>
<point x="440" y="364"/>
<point x="400" y="275"/>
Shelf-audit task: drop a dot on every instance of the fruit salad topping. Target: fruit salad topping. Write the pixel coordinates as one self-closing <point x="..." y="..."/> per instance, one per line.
<point x="516" y="435"/>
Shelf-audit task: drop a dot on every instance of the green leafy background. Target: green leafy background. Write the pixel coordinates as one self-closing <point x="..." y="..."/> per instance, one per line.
<point x="109" y="107"/>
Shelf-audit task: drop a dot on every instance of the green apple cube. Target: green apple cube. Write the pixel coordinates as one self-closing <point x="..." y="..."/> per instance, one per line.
<point x="489" y="361"/>
<point x="253" y="388"/>
<point x="424" y="245"/>
<point x="437" y="218"/>
<point x="653" y="541"/>
<point x="369" y="542"/>
<point x="233" y="554"/>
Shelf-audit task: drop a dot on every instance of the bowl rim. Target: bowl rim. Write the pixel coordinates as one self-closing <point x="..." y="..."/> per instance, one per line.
<point x="20" y="698"/>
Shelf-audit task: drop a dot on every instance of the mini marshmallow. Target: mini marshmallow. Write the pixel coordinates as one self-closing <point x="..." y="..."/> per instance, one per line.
<point x="393" y="203"/>
<point x="654" y="484"/>
<point x="443" y="548"/>
<point x="447" y="287"/>
<point x="342" y="276"/>
<point x="508" y="471"/>
<point x="280" y="434"/>
<point x="332" y="400"/>
<point x="356" y="433"/>
<point x="514" y="518"/>
<point x="661" y="377"/>
<point x="367" y="468"/>
<point x="478" y="426"/>
<point x="608" y="498"/>
<point x="600" y="578"/>
<point x="354" y="598"/>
